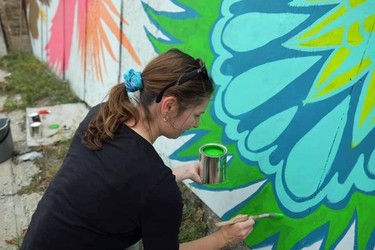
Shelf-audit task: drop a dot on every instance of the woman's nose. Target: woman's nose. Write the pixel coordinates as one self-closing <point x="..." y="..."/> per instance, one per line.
<point x="196" y="125"/>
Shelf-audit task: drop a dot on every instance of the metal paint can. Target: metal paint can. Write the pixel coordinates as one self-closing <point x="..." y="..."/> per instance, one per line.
<point x="34" y="117"/>
<point x="36" y="129"/>
<point x="212" y="163"/>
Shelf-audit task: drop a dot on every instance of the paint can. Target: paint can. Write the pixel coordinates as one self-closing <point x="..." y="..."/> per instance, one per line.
<point x="34" y="117"/>
<point x="36" y="130"/>
<point x="212" y="163"/>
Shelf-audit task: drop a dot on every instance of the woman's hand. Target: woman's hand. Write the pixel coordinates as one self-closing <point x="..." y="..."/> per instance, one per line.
<point x="187" y="171"/>
<point x="237" y="232"/>
<point x="230" y="234"/>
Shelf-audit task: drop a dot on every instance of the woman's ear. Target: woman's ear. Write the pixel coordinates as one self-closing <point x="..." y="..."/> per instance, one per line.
<point x="168" y="104"/>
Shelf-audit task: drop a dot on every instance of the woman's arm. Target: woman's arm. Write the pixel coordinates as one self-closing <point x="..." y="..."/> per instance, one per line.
<point x="209" y="242"/>
<point x="221" y="238"/>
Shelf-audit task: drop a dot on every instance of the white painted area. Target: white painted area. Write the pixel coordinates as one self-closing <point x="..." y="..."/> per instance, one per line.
<point x="3" y="48"/>
<point x="222" y="201"/>
<point x="135" y="30"/>
<point x="263" y="248"/>
<point x="166" y="147"/>
<point x="348" y="241"/>
<point x="165" y="5"/>
<point x="314" y="246"/>
<point x="46" y="14"/>
<point x="75" y="72"/>
<point x="45" y="26"/>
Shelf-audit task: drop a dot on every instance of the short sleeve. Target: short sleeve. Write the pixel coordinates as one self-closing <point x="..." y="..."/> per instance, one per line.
<point x="161" y="216"/>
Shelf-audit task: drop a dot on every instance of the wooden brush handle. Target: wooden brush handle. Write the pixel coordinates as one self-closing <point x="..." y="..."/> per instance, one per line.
<point x="241" y="218"/>
<point x="234" y="220"/>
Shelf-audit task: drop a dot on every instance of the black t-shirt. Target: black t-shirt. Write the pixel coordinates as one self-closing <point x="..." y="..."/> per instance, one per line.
<point x="108" y="198"/>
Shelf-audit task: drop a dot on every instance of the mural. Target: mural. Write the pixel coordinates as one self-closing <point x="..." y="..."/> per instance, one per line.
<point x="294" y="102"/>
<point x="310" y="112"/>
<point x="92" y="16"/>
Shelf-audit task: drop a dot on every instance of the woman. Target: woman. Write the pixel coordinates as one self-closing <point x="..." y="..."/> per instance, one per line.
<point x="113" y="189"/>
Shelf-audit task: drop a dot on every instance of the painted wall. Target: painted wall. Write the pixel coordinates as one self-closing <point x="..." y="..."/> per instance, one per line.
<point x="294" y="103"/>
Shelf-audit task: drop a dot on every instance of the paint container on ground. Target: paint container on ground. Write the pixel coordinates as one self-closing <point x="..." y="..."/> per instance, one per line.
<point x="212" y="163"/>
<point x="34" y="117"/>
<point x="6" y="141"/>
<point x="42" y="114"/>
<point x="36" y="130"/>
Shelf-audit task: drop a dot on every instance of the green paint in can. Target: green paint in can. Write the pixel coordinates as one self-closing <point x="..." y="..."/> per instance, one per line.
<point x="213" y="150"/>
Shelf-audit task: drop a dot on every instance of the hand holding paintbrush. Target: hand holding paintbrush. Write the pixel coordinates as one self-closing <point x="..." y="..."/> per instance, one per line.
<point x="244" y="217"/>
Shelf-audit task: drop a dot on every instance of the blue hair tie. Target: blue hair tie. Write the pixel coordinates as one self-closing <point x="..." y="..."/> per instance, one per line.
<point x="133" y="85"/>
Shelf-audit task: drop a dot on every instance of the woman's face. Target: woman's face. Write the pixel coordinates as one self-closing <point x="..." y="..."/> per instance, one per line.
<point x="188" y="119"/>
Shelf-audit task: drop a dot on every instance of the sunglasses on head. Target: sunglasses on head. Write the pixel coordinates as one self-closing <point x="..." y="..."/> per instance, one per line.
<point x="202" y="72"/>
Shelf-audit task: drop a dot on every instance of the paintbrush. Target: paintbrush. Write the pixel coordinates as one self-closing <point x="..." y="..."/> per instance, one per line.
<point x="244" y="217"/>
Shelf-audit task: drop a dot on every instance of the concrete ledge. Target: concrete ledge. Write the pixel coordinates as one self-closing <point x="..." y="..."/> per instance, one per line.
<point x="67" y="116"/>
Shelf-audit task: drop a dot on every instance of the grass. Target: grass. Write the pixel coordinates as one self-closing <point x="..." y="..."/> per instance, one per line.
<point x="35" y="85"/>
<point x="34" y="82"/>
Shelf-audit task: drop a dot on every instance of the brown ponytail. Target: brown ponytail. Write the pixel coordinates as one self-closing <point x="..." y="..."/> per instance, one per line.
<point x="111" y="115"/>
